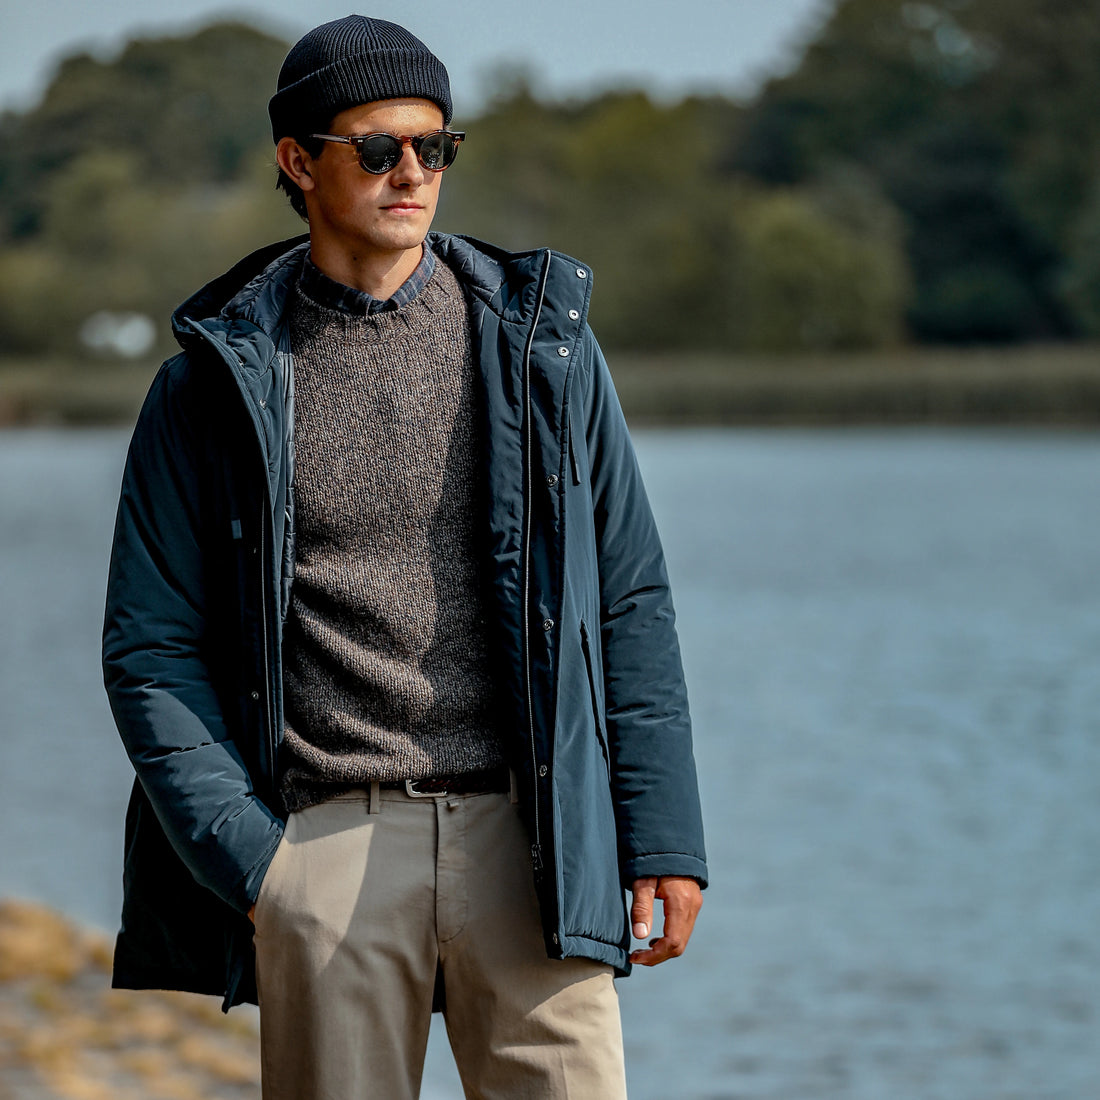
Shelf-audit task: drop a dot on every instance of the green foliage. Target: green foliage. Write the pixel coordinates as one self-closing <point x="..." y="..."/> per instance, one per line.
<point x="186" y="110"/>
<point x="977" y="119"/>
<point x="810" y="282"/>
<point x="31" y="276"/>
<point x="932" y="168"/>
<point x="685" y="256"/>
<point x="137" y="180"/>
<point x="1080" y="281"/>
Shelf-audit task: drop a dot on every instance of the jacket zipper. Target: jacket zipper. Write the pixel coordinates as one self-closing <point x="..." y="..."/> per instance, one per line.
<point x="270" y="718"/>
<point x="269" y="722"/>
<point x="536" y="847"/>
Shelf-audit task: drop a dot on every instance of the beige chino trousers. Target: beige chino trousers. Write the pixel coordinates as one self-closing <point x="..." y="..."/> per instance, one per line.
<point x="355" y="914"/>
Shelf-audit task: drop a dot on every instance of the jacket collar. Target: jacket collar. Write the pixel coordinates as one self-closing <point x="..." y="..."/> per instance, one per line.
<point x="255" y="290"/>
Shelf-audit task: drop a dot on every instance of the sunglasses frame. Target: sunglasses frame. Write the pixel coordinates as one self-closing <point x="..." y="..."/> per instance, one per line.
<point x="415" y="140"/>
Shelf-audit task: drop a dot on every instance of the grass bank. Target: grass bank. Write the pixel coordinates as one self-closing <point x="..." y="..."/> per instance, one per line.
<point x="52" y="391"/>
<point x="1042" y="385"/>
<point x="1056" y="385"/>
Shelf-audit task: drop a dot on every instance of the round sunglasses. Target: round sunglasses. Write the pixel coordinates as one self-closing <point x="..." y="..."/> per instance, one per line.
<point x="380" y="153"/>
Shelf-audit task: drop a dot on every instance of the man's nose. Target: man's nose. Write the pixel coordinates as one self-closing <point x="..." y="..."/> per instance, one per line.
<point x="408" y="169"/>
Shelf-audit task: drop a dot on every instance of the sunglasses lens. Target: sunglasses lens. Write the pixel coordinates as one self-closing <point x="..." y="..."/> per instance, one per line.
<point x="379" y="153"/>
<point x="437" y="151"/>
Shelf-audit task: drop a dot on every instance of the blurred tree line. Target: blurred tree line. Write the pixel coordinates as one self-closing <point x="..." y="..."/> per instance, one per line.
<point x="929" y="171"/>
<point x="133" y="182"/>
<point x="977" y="121"/>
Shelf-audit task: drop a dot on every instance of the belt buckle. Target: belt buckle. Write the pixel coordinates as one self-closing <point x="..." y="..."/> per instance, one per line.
<point x="412" y="792"/>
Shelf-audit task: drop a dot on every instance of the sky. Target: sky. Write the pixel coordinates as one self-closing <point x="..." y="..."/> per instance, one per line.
<point x="574" y="47"/>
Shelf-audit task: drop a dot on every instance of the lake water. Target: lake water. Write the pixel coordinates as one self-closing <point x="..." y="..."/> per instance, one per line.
<point x="893" y="648"/>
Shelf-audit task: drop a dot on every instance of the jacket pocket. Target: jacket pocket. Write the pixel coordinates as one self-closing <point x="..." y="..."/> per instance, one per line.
<point x="574" y="465"/>
<point x="597" y="710"/>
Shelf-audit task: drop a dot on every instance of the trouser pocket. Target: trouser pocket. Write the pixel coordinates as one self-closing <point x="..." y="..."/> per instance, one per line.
<point x="270" y="882"/>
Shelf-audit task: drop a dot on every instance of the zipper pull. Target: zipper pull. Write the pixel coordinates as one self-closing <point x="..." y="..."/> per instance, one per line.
<point x="536" y="858"/>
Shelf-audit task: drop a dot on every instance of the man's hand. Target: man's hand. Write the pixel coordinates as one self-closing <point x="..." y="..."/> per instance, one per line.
<point x="682" y="899"/>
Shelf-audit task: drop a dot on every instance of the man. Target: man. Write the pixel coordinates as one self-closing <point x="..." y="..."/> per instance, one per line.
<point x="388" y="633"/>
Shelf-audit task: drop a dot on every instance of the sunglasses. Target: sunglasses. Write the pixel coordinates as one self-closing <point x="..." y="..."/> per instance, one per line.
<point x="380" y="153"/>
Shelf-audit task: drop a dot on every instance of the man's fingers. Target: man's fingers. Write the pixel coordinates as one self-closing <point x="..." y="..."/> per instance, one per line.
<point x="641" y="909"/>
<point x="682" y="900"/>
<point x="660" y="951"/>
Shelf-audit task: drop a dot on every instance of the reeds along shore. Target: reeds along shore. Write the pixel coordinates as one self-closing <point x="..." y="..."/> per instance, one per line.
<point x="1057" y="386"/>
<point x="66" y="1035"/>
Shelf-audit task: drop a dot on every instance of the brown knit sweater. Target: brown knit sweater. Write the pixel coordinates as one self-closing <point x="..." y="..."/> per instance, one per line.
<point x="385" y="650"/>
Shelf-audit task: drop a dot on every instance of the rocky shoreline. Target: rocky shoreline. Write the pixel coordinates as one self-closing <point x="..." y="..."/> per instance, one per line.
<point x="66" y="1035"/>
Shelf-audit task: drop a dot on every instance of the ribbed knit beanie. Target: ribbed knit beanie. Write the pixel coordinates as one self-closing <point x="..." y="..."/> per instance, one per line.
<point x="351" y="61"/>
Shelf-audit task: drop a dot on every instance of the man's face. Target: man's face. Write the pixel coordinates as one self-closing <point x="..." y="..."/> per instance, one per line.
<point x="365" y="215"/>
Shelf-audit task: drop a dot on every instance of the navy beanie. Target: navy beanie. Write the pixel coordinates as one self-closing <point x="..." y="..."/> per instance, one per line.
<point x="351" y="61"/>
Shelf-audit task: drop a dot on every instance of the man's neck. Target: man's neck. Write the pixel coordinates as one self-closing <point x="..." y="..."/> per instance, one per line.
<point x="380" y="276"/>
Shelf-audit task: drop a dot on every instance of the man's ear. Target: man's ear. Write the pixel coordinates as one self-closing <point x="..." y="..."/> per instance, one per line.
<point x="295" y="162"/>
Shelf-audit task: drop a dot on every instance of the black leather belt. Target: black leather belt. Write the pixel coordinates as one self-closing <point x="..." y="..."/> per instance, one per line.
<point x="486" y="782"/>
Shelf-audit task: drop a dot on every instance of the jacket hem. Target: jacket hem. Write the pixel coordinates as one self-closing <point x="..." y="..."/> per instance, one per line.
<point x="150" y="978"/>
<point x="585" y="948"/>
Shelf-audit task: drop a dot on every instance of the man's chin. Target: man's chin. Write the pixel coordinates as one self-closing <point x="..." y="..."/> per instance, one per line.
<point x="404" y="237"/>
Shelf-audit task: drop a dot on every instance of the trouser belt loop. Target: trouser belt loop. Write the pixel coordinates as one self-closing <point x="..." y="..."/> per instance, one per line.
<point x="374" y="798"/>
<point x="513" y="787"/>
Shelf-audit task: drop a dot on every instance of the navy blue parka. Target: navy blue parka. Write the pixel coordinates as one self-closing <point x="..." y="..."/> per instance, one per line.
<point x="583" y="634"/>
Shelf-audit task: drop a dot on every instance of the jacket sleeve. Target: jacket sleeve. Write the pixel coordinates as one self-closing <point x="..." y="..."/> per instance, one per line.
<point x="160" y="687"/>
<point x="654" y="782"/>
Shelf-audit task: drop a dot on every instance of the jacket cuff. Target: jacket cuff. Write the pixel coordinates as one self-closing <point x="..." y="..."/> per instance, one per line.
<point x="664" y="863"/>
<point x="249" y="888"/>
